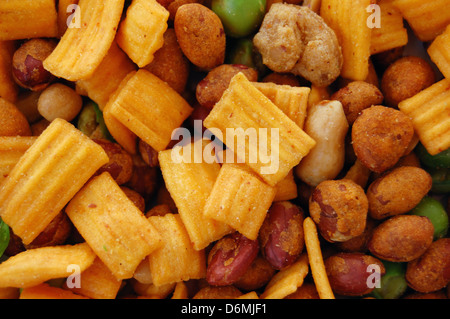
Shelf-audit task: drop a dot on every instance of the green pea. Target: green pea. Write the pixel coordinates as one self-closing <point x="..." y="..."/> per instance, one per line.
<point x="4" y="236"/>
<point x="87" y="120"/>
<point x="440" y="160"/>
<point x="240" y="18"/>
<point x="435" y="211"/>
<point x="241" y="51"/>
<point x="91" y="119"/>
<point x="393" y="283"/>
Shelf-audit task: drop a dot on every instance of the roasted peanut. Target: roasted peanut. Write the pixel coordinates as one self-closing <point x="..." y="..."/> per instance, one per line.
<point x="201" y="35"/>
<point x="357" y="96"/>
<point x="404" y="78"/>
<point x="170" y="64"/>
<point x="349" y="273"/>
<point x="339" y="208"/>
<point x="401" y="238"/>
<point x="398" y="191"/>
<point x="120" y="164"/>
<point x="257" y="275"/>
<point x="380" y="136"/>
<point x="430" y="272"/>
<point x="230" y="258"/>
<point x="281" y="234"/>
<point x="210" y="89"/>
<point x="295" y="39"/>
<point x="144" y="179"/>
<point x="27" y="69"/>
<point x="327" y="125"/>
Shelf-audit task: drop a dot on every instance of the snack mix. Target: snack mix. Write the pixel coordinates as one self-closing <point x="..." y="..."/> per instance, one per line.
<point x="224" y="149"/>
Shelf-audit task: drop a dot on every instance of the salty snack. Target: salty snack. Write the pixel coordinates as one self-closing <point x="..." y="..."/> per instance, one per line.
<point x="23" y="19"/>
<point x="349" y="273"/>
<point x="293" y="101"/>
<point x="59" y="154"/>
<point x="281" y="235"/>
<point x="9" y="89"/>
<point x="210" y="89"/>
<point x="141" y="33"/>
<point x="316" y="261"/>
<point x="81" y="50"/>
<point x="353" y="34"/>
<point x="11" y="150"/>
<point x="287" y="281"/>
<point x="287" y="188"/>
<point x="240" y="199"/>
<point x="45" y="291"/>
<point x="112" y="225"/>
<point x="35" y="266"/>
<point x="27" y="68"/>
<point x="198" y="179"/>
<point x="170" y="64"/>
<point x="97" y="282"/>
<point x="357" y="96"/>
<point x="405" y="78"/>
<point x="427" y="19"/>
<point x="148" y="107"/>
<point x="297" y="40"/>
<point x="438" y="51"/>
<point x="107" y="77"/>
<point x="176" y="245"/>
<point x="380" y="136"/>
<point x="327" y="124"/>
<point x="201" y="35"/>
<point x="232" y="113"/>
<point x="12" y="121"/>
<point x="339" y="208"/>
<point x="428" y="110"/>
<point x="398" y="191"/>
<point x="397" y="239"/>
<point x="391" y="32"/>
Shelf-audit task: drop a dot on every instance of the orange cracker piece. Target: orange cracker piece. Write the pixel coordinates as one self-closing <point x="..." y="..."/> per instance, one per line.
<point x="45" y="291"/>
<point x="429" y="111"/>
<point x="113" y="226"/>
<point x="316" y="263"/>
<point x="81" y="49"/>
<point x="23" y="19"/>
<point x="428" y="19"/>
<point x="240" y="199"/>
<point x="46" y="177"/>
<point x="292" y="100"/>
<point x="97" y="282"/>
<point x="149" y="108"/>
<point x="12" y="149"/>
<point x="348" y="19"/>
<point x="141" y="33"/>
<point x="9" y="90"/>
<point x="286" y="189"/>
<point x="35" y="266"/>
<point x="66" y="10"/>
<point x="392" y="32"/>
<point x="191" y="263"/>
<point x="181" y="291"/>
<point x="268" y="141"/>
<point x="190" y="183"/>
<point x="107" y="77"/>
<point x="439" y="52"/>
<point x="287" y="280"/>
